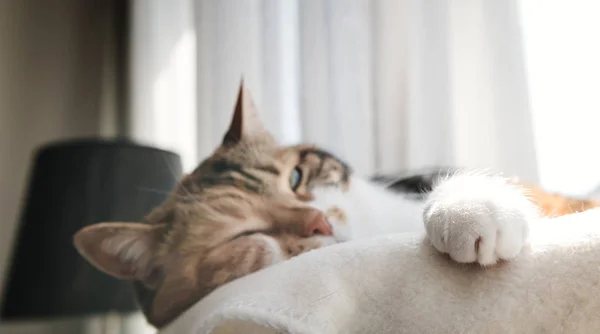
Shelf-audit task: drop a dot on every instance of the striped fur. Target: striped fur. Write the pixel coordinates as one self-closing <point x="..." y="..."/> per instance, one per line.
<point x="234" y="214"/>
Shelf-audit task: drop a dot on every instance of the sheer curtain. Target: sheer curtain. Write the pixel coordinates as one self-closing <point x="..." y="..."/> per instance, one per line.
<point x="563" y="61"/>
<point x="388" y="85"/>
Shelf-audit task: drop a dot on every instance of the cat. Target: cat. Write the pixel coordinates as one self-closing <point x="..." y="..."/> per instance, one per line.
<point x="253" y="204"/>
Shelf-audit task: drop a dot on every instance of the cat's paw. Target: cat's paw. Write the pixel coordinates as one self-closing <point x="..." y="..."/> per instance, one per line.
<point x="478" y="218"/>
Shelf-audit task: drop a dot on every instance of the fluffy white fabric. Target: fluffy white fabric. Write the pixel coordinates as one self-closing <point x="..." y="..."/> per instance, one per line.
<point x="400" y="284"/>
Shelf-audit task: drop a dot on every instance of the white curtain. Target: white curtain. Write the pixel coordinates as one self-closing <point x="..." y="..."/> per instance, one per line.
<point x="388" y="85"/>
<point x="563" y="60"/>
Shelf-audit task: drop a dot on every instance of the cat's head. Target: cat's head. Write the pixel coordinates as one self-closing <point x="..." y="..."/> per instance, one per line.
<point x="244" y="208"/>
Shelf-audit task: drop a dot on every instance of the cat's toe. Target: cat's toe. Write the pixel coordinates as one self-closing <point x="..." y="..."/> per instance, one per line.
<point x="474" y="234"/>
<point x="479" y="219"/>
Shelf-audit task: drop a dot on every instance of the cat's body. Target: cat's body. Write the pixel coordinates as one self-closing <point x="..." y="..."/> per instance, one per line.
<point x="368" y="209"/>
<point x="254" y="203"/>
<point x="418" y="184"/>
<point x="472" y="217"/>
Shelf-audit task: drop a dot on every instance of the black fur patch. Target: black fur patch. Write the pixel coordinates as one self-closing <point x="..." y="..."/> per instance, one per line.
<point x="416" y="183"/>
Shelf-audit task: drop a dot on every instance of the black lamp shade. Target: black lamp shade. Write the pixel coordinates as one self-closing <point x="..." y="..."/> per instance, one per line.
<point x="74" y="184"/>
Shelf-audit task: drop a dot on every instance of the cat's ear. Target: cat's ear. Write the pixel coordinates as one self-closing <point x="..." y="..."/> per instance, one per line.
<point x="246" y="123"/>
<point x="122" y="250"/>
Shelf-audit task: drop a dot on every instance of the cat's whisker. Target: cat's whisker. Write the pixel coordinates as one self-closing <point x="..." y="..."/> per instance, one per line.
<point x="170" y="168"/>
<point x="391" y="181"/>
<point x="188" y="193"/>
<point x="152" y="190"/>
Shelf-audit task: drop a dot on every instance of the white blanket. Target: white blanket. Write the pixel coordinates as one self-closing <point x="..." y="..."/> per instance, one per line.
<point x="399" y="284"/>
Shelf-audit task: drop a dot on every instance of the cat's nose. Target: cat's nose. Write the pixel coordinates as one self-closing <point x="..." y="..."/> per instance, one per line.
<point x="316" y="224"/>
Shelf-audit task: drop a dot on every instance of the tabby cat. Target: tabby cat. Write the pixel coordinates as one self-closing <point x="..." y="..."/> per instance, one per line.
<point x="252" y="204"/>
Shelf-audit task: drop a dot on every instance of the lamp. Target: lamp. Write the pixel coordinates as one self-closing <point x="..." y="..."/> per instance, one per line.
<point x="74" y="184"/>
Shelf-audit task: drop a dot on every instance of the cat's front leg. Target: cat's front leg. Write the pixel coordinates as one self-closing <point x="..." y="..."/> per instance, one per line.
<point x="478" y="218"/>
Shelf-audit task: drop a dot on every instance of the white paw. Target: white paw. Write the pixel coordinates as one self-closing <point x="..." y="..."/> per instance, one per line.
<point x="478" y="218"/>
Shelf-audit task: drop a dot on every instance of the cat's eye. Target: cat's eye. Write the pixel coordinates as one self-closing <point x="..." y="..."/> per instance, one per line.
<point x="295" y="178"/>
<point x="245" y="234"/>
<point x="248" y="233"/>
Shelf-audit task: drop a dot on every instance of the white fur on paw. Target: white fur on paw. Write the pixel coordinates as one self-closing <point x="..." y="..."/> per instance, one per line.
<point x="478" y="218"/>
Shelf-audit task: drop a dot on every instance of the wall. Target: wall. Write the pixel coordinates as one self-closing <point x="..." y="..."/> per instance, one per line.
<point x="51" y="87"/>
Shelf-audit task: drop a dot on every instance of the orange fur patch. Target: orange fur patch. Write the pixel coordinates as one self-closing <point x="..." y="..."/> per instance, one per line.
<point x="555" y="205"/>
<point x="336" y="213"/>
